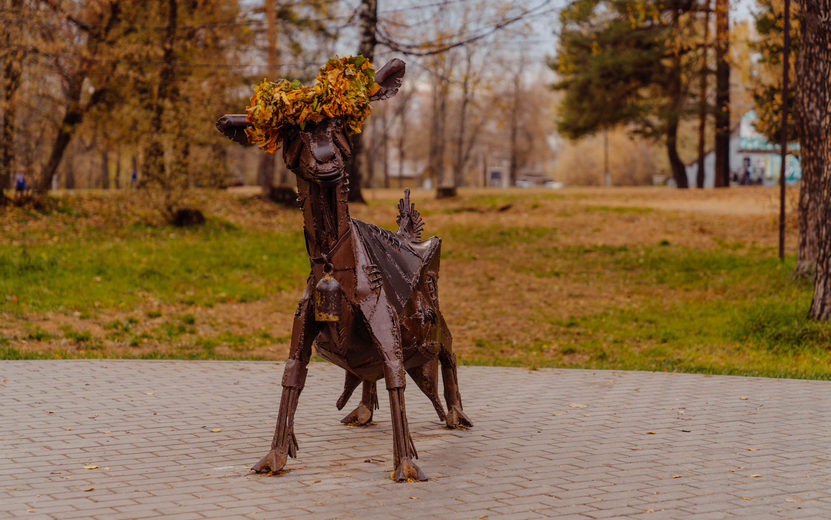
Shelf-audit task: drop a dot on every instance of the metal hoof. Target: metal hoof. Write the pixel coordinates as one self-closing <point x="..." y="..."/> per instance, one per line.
<point x="360" y="416"/>
<point x="456" y="418"/>
<point x="273" y="462"/>
<point x="407" y="471"/>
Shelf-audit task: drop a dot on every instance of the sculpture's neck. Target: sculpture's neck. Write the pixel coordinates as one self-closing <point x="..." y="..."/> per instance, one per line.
<point x="325" y="214"/>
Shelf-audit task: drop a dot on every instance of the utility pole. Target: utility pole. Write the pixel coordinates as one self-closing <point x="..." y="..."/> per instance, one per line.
<point x="722" y="149"/>
<point x="785" y="66"/>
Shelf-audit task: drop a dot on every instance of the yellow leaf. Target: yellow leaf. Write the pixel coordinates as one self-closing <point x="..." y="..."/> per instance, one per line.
<point x="91" y="466"/>
<point x="747" y="498"/>
<point x="743" y="398"/>
<point x="676" y="476"/>
<point x="752" y="449"/>
<point x="215" y="430"/>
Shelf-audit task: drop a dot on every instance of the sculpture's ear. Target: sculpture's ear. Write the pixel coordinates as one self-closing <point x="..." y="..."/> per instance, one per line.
<point x="389" y="77"/>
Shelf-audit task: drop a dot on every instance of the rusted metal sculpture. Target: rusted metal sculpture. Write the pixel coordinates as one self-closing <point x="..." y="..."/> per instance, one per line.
<point x="371" y="302"/>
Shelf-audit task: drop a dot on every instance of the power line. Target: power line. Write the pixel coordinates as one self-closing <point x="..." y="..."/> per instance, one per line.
<point x="422" y="6"/>
<point x="414" y="49"/>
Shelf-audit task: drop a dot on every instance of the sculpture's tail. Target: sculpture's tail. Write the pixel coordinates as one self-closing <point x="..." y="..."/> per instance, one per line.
<point x="409" y="219"/>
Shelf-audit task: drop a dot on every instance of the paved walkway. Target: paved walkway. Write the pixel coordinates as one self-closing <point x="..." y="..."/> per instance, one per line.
<point x="174" y="439"/>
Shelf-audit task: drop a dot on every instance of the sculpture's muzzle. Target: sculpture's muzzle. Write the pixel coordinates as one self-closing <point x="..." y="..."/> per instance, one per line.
<point x="319" y="154"/>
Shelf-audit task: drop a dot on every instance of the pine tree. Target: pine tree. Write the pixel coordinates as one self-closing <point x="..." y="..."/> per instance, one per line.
<point x="626" y="63"/>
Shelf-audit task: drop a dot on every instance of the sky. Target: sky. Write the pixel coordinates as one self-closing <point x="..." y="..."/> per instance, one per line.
<point x="537" y="45"/>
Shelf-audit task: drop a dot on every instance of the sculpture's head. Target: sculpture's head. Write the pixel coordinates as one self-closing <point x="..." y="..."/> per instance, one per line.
<point x="320" y="152"/>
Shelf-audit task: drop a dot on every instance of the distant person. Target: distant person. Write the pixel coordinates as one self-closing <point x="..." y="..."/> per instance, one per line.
<point x="20" y="184"/>
<point x="133" y="178"/>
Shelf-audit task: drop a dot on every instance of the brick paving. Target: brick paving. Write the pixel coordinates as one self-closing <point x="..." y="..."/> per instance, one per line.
<point x="569" y="444"/>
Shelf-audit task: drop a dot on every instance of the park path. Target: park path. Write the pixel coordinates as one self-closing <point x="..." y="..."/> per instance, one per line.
<point x="174" y="440"/>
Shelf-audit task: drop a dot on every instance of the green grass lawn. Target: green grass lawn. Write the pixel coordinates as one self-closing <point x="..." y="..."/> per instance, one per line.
<point x="535" y="280"/>
<point x="202" y="266"/>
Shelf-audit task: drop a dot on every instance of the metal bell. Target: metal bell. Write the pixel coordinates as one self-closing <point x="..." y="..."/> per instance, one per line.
<point x="327" y="298"/>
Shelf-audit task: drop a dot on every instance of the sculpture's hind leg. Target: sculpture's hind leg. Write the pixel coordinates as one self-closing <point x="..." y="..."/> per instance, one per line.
<point x="284" y="444"/>
<point x="455" y="416"/>
<point x="362" y="415"/>
<point x="426" y="377"/>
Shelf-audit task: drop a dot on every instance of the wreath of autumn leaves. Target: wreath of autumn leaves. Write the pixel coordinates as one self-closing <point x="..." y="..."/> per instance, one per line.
<point x="342" y="88"/>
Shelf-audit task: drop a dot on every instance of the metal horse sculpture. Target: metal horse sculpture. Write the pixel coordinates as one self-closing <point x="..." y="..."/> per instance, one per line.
<point x="371" y="302"/>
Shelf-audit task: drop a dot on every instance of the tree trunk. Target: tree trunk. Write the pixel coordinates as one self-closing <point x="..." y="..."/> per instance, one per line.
<point x="437" y="141"/>
<point x="810" y="160"/>
<point x="461" y="160"/>
<point x="702" y="99"/>
<point x="72" y="118"/>
<point x="385" y="149"/>
<point x="155" y="170"/>
<point x="265" y="173"/>
<point x="679" y="173"/>
<point x="807" y="219"/>
<point x="813" y="101"/>
<point x="105" y="170"/>
<point x="676" y="93"/>
<point x="367" y="22"/>
<point x="722" y="149"/>
<point x="402" y="141"/>
<point x="117" y="176"/>
<point x="11" y="83"/>
<point x="371" y="151"/>
<point x="514" y="164"/>
<point x="69" y="176"/>
<point x="12" y="70"/>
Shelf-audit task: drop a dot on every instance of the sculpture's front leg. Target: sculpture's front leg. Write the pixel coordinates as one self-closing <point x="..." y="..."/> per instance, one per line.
<point x="284" y="444"/>
<point x="383" y="325"/>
